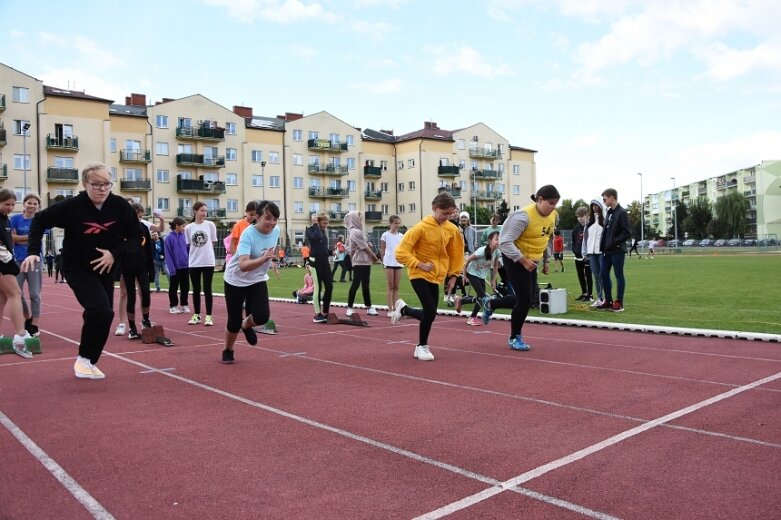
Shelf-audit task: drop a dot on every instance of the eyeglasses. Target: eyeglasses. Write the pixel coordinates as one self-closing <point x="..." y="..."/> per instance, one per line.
<point x="101" y="185"/>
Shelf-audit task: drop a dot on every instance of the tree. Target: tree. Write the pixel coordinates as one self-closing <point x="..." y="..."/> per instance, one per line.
<point x="699" y="214"/>
<point x="483" y="215"/>
<point x="503" y="211"/>
<point x="566" y="214"/>
<point x="731" y="213"/>
<point x="634" y="218"/>
<point x="681" y="212"/>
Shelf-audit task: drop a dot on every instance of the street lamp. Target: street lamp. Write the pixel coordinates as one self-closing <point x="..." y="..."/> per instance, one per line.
<point x="675" y="210"/>
<point x="474" y="193"/>
<point x="263" y="178"/>
<point x="642" y="210"/>
<point x="25" y="128"/>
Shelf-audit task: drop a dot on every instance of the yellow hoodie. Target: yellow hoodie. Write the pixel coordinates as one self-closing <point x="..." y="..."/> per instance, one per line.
<point x="439" y="244"/>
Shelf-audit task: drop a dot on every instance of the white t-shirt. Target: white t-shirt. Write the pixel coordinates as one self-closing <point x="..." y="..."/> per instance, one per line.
<point x="392" y="241"/>
<point x="252" y="243"/>
<point x="201" y="239"/>
<point x="480" y="267"/>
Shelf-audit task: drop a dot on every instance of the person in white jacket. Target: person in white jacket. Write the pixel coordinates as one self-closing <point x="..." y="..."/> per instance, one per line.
<point x="592" y="236"/>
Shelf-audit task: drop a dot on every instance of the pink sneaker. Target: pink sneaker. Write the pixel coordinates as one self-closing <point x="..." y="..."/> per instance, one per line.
<point x="474" y="322"/>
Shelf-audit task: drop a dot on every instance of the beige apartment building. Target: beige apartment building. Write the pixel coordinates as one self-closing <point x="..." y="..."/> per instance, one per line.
<point x="171" y="153"/>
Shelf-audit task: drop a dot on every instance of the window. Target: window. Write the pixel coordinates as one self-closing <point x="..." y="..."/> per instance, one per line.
<point x="297" y="138"/>
<point x="164" y="203"/>
<point x="401" y="208"/>
<point x="184" y="148"/>
<point x="352" y="207"/>
<point x="230" y="129"/>
<point x="161" y="121"/>
<point x="132" y="174"/>
<point x="231" y="179"/>
<point x="516" y="189"/>
<point x="401" y="187"/>
<point x="461" y="144"/>
<point x="113" y="174"/>
<point x="385" y="209"/>
<point x="230" y="154"/>
<point x="298" y="183"/>
<point x="161" y="148"/>
<point x="163" y="176"/>
<point x="274" y="181"/>
<point x="298" y="207"/>
<point x="400" y="165"/>
<point x="314" y="183"/>
<point x="184" y="122"/>
<point x="185" y="175"/>
<point x="19" y="127"/>
<point x="233" y="205"/>
<point x="112" y="145"/>
<point x="21" y="95"/>
<point x="351" y="186"/>
<point x="273" y="157"/>
<point x="21" y="162"/>
<point x="314" y="207"/>
<point x="411" y="163"/>
<point x="501" y="168"/>
<point x="211" y="177"/>
<point x="132" y="146"/>
<point x="384" y="187"/>
<point x="461" y="164"/>
<point x="412" y="208"/>
<point x="64" y="193"/>
<point x="257" y="181"/>
<point x="314" y="134"/>
<point x="314" y="160"/>
<point x="350" y="140"/>
<point x="256" y="155"/>
<point x="298" y="159"/>
<point x="210" y="152"/>
<point x="411" y="185"/>
<point x="384" y="165"/>
<point x="334" y="138"/>
<point x="516" y="169"/>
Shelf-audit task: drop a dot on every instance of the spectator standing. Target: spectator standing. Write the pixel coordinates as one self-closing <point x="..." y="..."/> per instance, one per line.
<point x="177" y="261"/>
<point x="581" y="258"/>
<point x="137" y="267"/>
<point x="431" y="250"/>
<point x="201" y="235"/>
<point x="558" y="251"/>
<point x="317" y="238"/>
<point x="494" y="227"/>
<point x="613" y="245"/>
<point x="20" y="229"/>
<point x="340" y="253"/>
<point x="363" y="257"/>
<point x="158" y="255"/>
<point x="49" y="263"/>
<point x="592" y="238"/>
<point x="389" y="242"/>
<point x="59" y="276"/>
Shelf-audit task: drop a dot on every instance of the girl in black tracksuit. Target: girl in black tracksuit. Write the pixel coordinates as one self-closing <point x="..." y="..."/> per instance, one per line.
<point x="320" y="252"/>
<point x="139" y="266"/>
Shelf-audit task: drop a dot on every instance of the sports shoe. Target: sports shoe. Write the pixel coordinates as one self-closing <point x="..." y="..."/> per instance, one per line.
<point x="195" y="320"/>
<point x="209" y="321"/>
<point x="227" y="357"/>
<point x="120" y="330"/>
<point x="618" y="306"/>
<point x="398" y="311"/>
<point x="250" y="335"/>
<point x="422" y="353"/>
<point x="96" y="372"/>
<point x="268" y="328"/>
<point x="133" y="334"/>
<point x="20" y="347"/>
<point x="606" y="306"/>
<point x="186" y="309"/>
<point x="371" y="311"/>
<point x="320" y="318"/>
<point x="348" y="312"/>
<point x="83" y="369"/>
<point x="597" y="303"/>
<point x="458" y="304"/>
<point x="146" y="324"/>
<point x="33" y="330"/>
<point x="517" y="343"/>
<point x="487" y="311"/>
<point x="174" y="310"/>
<point x="474" y="321"/>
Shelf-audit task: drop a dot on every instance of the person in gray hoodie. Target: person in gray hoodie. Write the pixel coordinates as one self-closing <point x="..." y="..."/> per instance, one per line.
<point x="362" y="256"/>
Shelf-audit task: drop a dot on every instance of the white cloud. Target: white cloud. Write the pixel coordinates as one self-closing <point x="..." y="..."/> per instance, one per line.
<point x="373" y="29"/>
<point x="86" y="80"/>
<point x="725" y="63"/>
<point x="284" y="11"/>
<point x="465" y="61"/>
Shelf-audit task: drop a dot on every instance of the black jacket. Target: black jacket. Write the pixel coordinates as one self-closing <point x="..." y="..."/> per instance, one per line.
<point x="318" y="243"/>
<point x="616" y="231"/>
<point x="577" y="241"/>
<point x="113" y="227"/>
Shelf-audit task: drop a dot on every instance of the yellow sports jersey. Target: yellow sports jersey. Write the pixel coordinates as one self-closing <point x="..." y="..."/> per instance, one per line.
<point x="535" y="237"/>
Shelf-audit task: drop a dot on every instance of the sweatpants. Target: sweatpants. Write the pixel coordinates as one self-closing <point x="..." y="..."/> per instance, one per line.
<point x="95" y="293"/>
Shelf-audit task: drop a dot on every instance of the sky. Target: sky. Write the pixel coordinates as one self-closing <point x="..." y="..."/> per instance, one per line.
<point x="603" y="90"/>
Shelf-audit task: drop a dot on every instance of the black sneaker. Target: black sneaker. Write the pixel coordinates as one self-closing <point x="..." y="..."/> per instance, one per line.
<point x="251" y="336"/>
<point x="133" y="334"/>
<point x="146" y="324"/>
<point x="320" y="318"/>
<point x="32" y="330"/>
<point x="227" y="357"/>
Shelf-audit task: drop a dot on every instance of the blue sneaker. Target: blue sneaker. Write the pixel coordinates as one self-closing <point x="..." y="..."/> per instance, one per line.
<point x="487" y="312"/>
<point x="517" y="343"/>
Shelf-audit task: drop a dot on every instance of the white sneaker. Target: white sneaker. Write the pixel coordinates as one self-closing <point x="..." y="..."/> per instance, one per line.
<point x="422" y="353"/>
<point x="83" y="369"/>
<point x="174" y="310"/>
<point x="20" y="347"/>
<point x="372" y="312"/>
<point x="121" y="329"/>
<point x="396" y="314"/>
<point x="348" y="312"/>
<point x="597" y="303"/>
<point x="186" y="309"/>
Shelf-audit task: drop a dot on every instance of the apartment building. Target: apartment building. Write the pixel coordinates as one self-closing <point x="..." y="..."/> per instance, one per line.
<point x="760" y="184"/>
<point x="170" y="153"/>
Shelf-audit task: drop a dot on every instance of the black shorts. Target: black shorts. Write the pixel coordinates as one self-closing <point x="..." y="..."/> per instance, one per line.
<point x="558" y="256"/>
<point x="9" y="268"/>
<point x="393" y="266"/>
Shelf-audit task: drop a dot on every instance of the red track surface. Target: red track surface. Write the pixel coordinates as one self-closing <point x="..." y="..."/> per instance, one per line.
<point x="333" y="421"/>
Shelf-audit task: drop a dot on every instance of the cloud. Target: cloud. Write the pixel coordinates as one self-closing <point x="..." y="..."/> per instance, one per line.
<point x="284" y="11"/>
<point x="725" y="63"/>
<point x="465" y="61"/>
<point x="86" y="80"/>
<point x="721" y="157"/>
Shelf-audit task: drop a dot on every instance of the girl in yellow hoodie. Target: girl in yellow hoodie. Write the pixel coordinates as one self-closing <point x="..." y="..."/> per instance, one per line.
<point x="431" y="250"/>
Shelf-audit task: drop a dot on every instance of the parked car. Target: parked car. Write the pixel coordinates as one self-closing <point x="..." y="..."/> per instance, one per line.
<point x="705" y="242"/>
<point x="674" y="243"/>
<point x="720" y="242"/>
<point x="688" y="243"/>
<point x="749" y="242"/>
<point x="734" y="242"/>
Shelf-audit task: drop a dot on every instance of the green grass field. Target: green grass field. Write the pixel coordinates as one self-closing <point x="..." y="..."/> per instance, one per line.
<point x="739" y="291"/>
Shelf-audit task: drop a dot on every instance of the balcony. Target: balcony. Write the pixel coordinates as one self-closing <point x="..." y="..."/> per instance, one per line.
<point x="372" y="195"/>
<point x="135" y="156"/>
<point x="488" y="195"/>
<point x="66" y="175"/>
<point x="373" y="216"/>
<point x="3" y="138"/>
<point x="205" y="132"/>
<point x="2" y="102"/>
<point x="454" y="191"/>
<point x="135" y="184"/>
<point x="3" y="172"/>
<point x="200" y="160"/>
<point x="448" y="171"/>
<point x="212" y="212"/>
<point x="330" y="170"/>
<point x="336" y="215"/>
<point x="372" y="171"/>
<point x="324" y="145"/>
<point x="481" y="153"/>
<point x="57" y="198"/>
<point x="328" y="193"/>
<point x="67" y="144"/>
<point x="487" y="174"/>
<point x="750" y="179"/>
<point x="198" y="186"/>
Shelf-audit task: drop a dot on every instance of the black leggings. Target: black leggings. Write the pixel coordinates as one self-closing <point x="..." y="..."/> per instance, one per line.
<point x="195" y="278"/>
<point x="95" y="293"/>
<point x="256" y="298"/>
<point x="521" y="280"/>
<point x="428" y="294"/>
<point x="478" y="284"/>
<point x="361" y="274"/>
<point x="181" y="282"/>
<point x="324" y="278"/>
<point x="130" y="286"/>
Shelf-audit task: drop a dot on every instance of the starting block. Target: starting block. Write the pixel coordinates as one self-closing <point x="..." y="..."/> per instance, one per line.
<point x="355" y="319"/>
<point x="268" y="328"/>
<point x="32" y="344"/>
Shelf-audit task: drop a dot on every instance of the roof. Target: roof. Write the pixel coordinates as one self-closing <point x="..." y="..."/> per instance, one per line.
<point x="265" y="123"/>
<point x="127" y="110"/>
<point x="75" y="94"/>
<point x="374" y="135"/>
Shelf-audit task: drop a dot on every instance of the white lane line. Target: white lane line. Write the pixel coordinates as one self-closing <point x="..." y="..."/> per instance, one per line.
<point x="69" y="483"/>
<point x="585" y="452"/>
